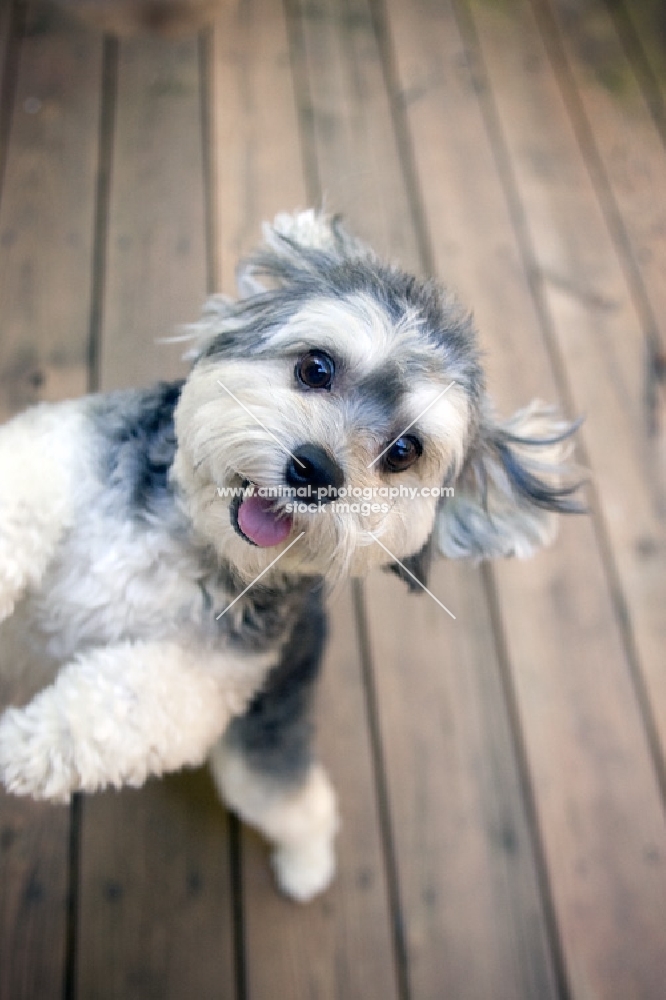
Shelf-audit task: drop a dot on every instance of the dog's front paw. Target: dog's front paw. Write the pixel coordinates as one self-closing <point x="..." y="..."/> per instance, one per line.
<point x="304" y="870"/>
<point x="34" y="761"/>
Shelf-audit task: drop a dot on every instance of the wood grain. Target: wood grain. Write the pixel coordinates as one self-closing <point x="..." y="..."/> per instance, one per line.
<point x="256" y="147"/>
<point x="596" y="330"/>
<point x="468" y="875"/>
<point x="155" y="914"/>
<point x="155" y="907"/>
<point x="47" y="214"/>
<point x="452" y="869"/>
<point x="642" y="27"/>
<point x="46" y="221"/>
<point x="593" y="780"/>
<point x="155" y="270"/>
<point x="351" y="135"/>
<point x="623" y="146"/>
<point x="5" y="41"/>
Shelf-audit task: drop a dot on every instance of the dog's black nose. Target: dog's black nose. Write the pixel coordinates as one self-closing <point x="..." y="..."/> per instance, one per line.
<point x="311" y="466"/>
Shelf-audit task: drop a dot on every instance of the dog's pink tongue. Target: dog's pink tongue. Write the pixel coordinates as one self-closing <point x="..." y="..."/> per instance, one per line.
<point x="261" y="524"/>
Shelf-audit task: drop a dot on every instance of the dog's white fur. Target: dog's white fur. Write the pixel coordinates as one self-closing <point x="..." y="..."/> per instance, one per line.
<point x="301" y="823"/>
<point x="149" y="683"/>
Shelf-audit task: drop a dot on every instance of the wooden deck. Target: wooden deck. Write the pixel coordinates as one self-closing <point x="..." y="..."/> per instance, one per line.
<point x="501" y="777"/>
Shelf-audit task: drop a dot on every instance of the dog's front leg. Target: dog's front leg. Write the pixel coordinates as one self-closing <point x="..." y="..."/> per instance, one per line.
<point x="120" y="713"/>
<point x="265" y="767"/>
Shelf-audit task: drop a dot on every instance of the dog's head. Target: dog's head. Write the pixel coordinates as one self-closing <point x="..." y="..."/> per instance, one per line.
<point x="348" y="399"/>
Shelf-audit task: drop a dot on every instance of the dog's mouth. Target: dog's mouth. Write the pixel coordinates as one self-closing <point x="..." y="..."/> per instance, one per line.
<point x="257" y="520"/>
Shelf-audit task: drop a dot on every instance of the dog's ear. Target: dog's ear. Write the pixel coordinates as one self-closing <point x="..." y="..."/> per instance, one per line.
<point x="514" y="480"/>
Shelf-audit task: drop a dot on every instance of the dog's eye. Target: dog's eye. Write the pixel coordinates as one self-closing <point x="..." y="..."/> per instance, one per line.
<point x="403" y="453"/>
<point x="316" y="370"/>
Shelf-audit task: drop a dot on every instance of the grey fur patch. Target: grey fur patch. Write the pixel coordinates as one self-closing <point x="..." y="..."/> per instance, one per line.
<point x="137" y="444"/>
<point x="266" y="613"/>
<point x="275" y="733"/>
<point x="383" y="388"/>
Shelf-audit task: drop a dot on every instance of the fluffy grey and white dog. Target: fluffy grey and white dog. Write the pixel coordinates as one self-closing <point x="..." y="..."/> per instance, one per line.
<point x="189" y="620"/>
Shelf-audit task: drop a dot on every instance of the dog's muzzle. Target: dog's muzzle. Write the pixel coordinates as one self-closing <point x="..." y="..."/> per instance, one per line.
<point x="311" y="473"/>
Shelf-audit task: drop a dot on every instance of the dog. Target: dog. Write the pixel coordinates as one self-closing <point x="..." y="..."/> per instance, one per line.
<point x="174" y="544"/>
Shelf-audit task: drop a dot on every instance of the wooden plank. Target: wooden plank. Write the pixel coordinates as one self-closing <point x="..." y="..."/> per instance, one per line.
<point x="465" y="854"/>
<point x="156" y="269"/>
<point x="46" y="223"/>
<point x="256" y="149"/>
<point x="5" y="41"/>
<point x="446" y="823"/>
<point x="627" y="161"/>
<point x="642" y="26"/>
<point x="625" y="151"/>
<point x="340" y="944"/>
<point x="352" y="133"/>
<point x="596" y="796"/>
<point x="596" y="328"/>
<point x="602" y="347"/>
<point x="155" y="910"/>
<point x="47" y="216"/>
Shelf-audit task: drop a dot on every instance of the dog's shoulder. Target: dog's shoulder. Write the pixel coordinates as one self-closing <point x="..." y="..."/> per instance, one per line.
<point x="136" y="444"/>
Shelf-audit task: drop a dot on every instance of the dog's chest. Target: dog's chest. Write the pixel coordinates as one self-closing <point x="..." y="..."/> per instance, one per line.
<point x="115" y="579"/>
